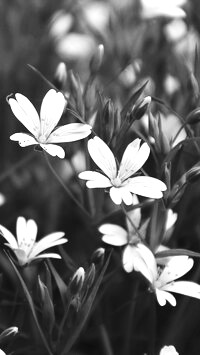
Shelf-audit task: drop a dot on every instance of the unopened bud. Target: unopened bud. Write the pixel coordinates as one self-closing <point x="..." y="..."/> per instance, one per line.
<point x="193" y="174"/>
<point x="76" y="282"/>
<point x="60" y="77"/>
<point x="98" y="256"/>
<point x="140" y="109"/>
<point x="97" y="59"/>
<point x="9" y="331"/>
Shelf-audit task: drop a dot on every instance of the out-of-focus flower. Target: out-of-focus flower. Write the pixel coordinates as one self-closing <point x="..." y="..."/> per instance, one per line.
<point x="175" y="30"/>
<point x="97" y="14"/>
<point x="171" y="84"/>
<point x="129" y="75"/>
<point x="60" y="24"/>
<point x="75" y="46"/>
<point x="168" y="350"/>
<point x="162" y="278"/>
<point x="165" y="8"/>
<point x="42" y="129"/>
<point x="25" y="246"/>
<point x="121" y="184"/>
<point x="2" y="199"/>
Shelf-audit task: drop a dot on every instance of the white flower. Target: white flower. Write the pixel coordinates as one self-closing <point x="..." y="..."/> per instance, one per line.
<point x="168" y="350"/>
<point x="162" y="8"/>
<point x="119" y="179"/>
<point x="25" y="246"/>
<point x="162" y="277"/>
<point x="42" y="129"/>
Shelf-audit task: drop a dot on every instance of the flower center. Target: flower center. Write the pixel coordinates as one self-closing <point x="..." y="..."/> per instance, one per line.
<point x="42" y="138"/>
<point x="116" y="182"/>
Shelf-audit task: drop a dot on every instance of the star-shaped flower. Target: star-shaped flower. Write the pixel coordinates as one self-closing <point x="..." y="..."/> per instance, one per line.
<point x="121" y="184"/>
<point x="162" y="276"/>
<point x="25" y="246"/>
<point x="42" y="128"/>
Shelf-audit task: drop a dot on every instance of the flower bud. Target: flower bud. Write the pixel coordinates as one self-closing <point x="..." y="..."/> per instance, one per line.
<point x="193" y="174"/>
<point x="97" y="59"/>
<point x="9" y="331"/>
<point x="60" y="77"/>
<point x="140" y="109"/>
<point x="98" y="257"/>
<point x="76" y="282"/>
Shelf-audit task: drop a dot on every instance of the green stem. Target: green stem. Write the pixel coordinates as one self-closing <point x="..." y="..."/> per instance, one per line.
<point x="65" y="187"/>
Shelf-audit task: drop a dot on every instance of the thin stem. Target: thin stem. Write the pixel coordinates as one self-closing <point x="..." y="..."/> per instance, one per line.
<point x="130" y="220"/>
<point x="65" y="187"/>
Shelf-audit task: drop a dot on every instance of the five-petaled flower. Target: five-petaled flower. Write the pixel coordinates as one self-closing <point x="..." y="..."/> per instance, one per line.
<point x="162" y="274"/>
<point x="121" y="184"/>
<point x="42" y="128"/>
<point x="25" y="247"/>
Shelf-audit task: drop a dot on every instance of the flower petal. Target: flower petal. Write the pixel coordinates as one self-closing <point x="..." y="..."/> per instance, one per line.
<point x="26" y="113"/>
<point x="9" y="237"/>
<point x="141" y="259"/>
<point x="113" y="234"/>
<point x="163" y="296"/>
<point x="133" y="159"/>
<point x="23" y="139"/>
<point x="130" y="258"/>
<point x="46" y="255"/>
<point x="127" y="197"/>
<point x="21" y="231"/>
<point x="95" y="179"/>
<point x="52" y="108"/>
<point x="186" y="288"/>
<point x="69" y="133"/>
<point x="146" y="186"/>
<point x="176" y="267"/>
<point x="115" y="195"/>
<point x="102" y="156"/>
<point x="54" y="150"/>
<point x="48" y="241"/>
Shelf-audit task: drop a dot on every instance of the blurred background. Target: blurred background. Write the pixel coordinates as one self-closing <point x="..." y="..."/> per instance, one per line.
<point x="140" y="44"/>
